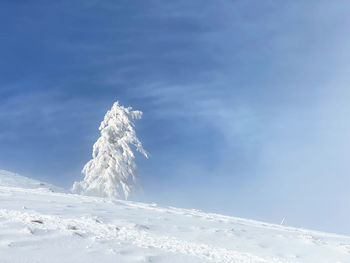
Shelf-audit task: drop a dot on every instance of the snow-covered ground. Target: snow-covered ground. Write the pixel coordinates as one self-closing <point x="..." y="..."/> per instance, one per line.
<point x="42" y="223"/>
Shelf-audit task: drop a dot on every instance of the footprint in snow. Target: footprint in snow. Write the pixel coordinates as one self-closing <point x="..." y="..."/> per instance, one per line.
<point x="263" y="245"/>
<point x="78" y="234"/>
<point x="39" y="221"/>
<point x="72" y="227"/>
<point x="151" y="259"/>
<point x="142" y="227"/>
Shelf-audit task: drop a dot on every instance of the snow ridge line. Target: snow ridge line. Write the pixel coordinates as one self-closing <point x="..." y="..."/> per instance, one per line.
<point x="89" y="227"/>
<point x="216" y="217"/>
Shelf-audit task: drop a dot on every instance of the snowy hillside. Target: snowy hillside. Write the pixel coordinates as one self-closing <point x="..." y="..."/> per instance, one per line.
<point x="38" y="223"/>
<point x="15" y="180"/>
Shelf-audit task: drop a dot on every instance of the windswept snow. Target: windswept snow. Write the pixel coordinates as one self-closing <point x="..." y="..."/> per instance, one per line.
<point x="41" y="225"/>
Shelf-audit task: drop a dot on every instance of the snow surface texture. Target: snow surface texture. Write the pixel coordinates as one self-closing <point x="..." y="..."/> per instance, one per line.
<point x="40" y="224"/>
<point x="112" y="169"/>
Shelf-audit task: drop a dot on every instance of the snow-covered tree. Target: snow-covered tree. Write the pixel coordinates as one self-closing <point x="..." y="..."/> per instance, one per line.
<point x="112" y="170"/>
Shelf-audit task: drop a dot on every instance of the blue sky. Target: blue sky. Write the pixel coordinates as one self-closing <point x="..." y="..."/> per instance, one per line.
<point x="245" y="102"/>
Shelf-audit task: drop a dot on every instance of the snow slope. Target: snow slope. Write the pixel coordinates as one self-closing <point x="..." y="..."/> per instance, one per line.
<point x="40" y="223"/>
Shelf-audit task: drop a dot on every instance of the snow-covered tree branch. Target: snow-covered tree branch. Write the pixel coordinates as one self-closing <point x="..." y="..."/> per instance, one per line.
<point x="112" y="170"/>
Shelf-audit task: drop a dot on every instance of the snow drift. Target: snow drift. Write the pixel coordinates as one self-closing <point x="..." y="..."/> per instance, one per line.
<point x="41" y="225"/>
